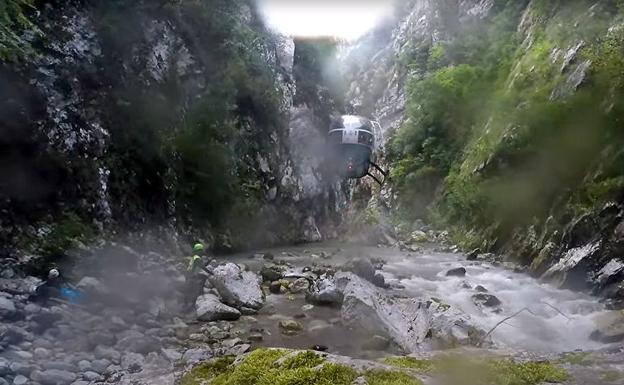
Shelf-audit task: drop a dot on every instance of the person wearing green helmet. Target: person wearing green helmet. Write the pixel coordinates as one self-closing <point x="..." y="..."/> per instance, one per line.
<point x="196" y="261"/>
<point x="195" y="276"/>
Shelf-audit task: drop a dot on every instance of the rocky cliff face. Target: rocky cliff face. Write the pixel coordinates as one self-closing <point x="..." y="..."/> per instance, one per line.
<point x="485" y="107"/>
<point x="133" y="114"/>
<point x="378" y="66"/>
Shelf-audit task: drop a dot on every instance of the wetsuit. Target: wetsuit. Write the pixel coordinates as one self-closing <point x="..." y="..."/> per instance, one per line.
<point x="50" y="288"/>
<point x="195" y="280"/>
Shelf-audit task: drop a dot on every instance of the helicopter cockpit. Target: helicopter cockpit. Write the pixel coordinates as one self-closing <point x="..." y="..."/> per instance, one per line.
<point x="352" y="139"/>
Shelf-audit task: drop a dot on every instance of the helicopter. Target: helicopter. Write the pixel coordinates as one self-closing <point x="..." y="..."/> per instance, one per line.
<point x="352" y="141"/>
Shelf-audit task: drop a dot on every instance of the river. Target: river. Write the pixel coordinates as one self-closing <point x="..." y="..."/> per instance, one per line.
<point x="553" y="321"/>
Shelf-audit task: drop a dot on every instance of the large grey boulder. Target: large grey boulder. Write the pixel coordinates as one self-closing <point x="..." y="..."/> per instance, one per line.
<point x="361" y="267"/>
<point x="237" y="288"/>
<point x="209" y="308"/>
<point x="324" y="291"/>
<point x="413" y="324"/>
<point x="487" y="300"/>
<point x="571" y="271"/>
<point x="456" y="272"/>
<point x="610" y="273"/>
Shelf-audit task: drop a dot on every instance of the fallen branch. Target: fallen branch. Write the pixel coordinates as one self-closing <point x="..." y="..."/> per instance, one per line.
<point x="502" y="322"/>
<point x="557" y="310"/>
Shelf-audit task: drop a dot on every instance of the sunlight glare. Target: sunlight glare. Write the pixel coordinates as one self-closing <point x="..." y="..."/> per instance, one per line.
<point x="347" y="20"/>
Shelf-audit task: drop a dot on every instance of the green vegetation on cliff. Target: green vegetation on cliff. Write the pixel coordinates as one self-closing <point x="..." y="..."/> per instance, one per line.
<point x="517" y="119"/>
<point x="13" y="21"/>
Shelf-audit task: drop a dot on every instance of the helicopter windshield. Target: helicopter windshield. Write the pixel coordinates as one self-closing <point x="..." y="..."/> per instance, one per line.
<point x="352" y="122"/>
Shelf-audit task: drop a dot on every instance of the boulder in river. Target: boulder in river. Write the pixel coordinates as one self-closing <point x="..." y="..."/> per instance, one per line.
<point x="379" y="280"/>
<point x="276" y="287"/>
<point x="272" y="273"/>
<point x="299" y="285"/>
<point x="324" y="292"/>
<point x="473" y="255"/>
<point x="237" y="288"/>
<point x="209" y="308"/>
<point x="611" y="273"/>
<point x="361" y="267"/>
<point x="289" y="327"/>
<point x="410" y="322"/>
<point x="571" y="271"/>
<point x="487" y="300"/>
<point x="457" y="272"/>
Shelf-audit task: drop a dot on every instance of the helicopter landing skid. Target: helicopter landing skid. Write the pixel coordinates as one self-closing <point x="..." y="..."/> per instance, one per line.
<point x="384" y="173"/>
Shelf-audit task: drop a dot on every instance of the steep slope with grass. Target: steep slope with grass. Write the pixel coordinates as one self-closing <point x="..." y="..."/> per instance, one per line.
<point x="504" y="120"/>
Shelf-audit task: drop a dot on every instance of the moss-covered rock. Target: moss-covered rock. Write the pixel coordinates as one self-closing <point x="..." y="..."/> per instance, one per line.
<point x="420" y="365"/>
<point x="281" y="367"/>
<point x="388" y="377"/>
<point x="207" y="371"/>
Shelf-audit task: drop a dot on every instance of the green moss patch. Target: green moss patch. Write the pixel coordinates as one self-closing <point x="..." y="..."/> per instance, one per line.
<point x="207" y="371"/>
<point x="580" y="358"/>
<point x="263" y="367"/>
<point x="528" y="373"/>
<point x="457" y="370"/>
<point x="277" y="367"/>
<point x="386" y="377"/>
<point x="422" y="366"/>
